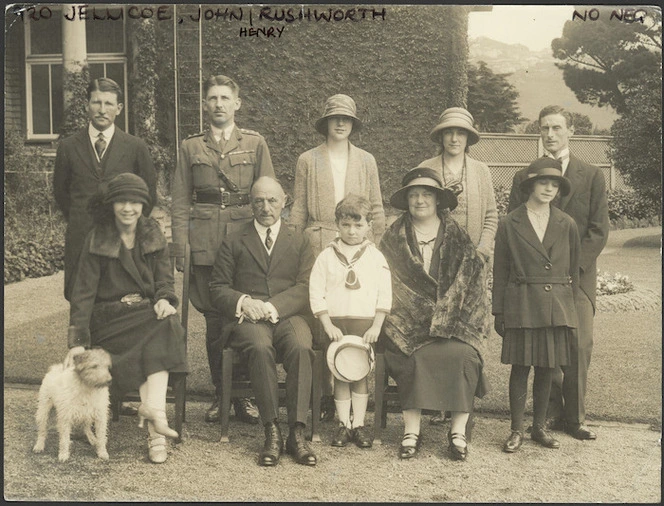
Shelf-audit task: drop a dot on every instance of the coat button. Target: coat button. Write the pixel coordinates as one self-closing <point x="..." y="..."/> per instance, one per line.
<point x="223" y="156"/>
<point x="547" y="288"/>
<point x="548" y="266"/>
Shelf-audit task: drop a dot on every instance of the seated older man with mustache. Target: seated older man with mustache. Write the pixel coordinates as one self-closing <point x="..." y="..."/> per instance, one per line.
<point x="260" y="282"/>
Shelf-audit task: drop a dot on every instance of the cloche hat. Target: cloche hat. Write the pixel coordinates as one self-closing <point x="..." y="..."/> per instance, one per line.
<point x="350" y="359"/>
<point x="423" y="176"/>
<point x="127" y="186"/>
<point x="546" y="167"/>
<point x="456" y="117"/>
<point x="338" y="105"/>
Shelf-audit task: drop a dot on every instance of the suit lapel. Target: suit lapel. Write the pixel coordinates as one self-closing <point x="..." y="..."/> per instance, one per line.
<point x="573" y="173"/>
<point x="553" y="230"/>
<point x="115" y="152"/>
<point x="281" y="247"/>
<point x="252" y="242"/>
<point x="85" y="151"/>
<point x="525" y="229"/>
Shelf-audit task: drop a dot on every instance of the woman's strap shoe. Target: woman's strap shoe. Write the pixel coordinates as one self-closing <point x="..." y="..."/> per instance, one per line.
<point x="540" y="435"/>
<point x="157" y="449"/>
<point x="409" y="451"/>
<point x="158" y="419"/>
<point x="458" y="452"/>
<point x="513" y="442"/>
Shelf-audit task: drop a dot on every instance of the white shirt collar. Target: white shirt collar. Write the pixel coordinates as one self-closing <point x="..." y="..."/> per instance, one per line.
<point x="262" y="232"/>
<point x="218" y="132"/>
<point x="563" y="155"/>
<point x="94" y="133"/>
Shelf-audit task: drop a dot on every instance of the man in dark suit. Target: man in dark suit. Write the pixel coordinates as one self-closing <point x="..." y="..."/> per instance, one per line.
<point x="587" y="204"/>
<point x="260" y="283"/>
<point x="90" y="157"/>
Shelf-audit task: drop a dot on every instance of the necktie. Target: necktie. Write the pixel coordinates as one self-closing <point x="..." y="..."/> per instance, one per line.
<point x="100" y="145"/>
<point x="268" y="239"/>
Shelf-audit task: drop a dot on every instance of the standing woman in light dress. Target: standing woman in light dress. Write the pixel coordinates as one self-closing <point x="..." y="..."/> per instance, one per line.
<point x="324" y="175"/>
<point x="469" y="179"/>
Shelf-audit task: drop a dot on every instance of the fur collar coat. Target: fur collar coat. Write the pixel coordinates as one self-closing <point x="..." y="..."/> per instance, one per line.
<point x="453" y="302"/>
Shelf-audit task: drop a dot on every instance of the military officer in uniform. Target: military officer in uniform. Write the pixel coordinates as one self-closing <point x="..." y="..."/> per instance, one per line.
<point x="210" y="194"/>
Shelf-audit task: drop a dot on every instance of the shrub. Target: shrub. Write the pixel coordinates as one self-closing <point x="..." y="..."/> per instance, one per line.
<point x="502" y="199"/>
<point x="26" y="258"/>
<point x="630" y="205"/>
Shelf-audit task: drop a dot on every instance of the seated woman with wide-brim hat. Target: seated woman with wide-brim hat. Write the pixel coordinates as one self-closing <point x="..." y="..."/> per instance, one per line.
<point x="435" y="334"/>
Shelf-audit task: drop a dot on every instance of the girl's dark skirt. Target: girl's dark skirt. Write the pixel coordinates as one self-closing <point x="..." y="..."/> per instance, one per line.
<point x="139" y="345"/>
<point x="444" y="375"/>
<point x="541" y="347"/>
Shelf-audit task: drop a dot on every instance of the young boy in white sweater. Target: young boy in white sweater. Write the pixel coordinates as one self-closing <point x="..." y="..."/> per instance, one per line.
<point x="350" y="291"/>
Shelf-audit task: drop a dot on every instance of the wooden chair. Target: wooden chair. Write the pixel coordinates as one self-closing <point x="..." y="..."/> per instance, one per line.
<point x="385" y="392"/>
<point x="177" y="381"/>
<point x="242" y="388"/>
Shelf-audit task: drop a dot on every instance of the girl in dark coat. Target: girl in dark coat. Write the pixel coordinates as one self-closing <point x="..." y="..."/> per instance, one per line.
<point x="535" y="279"/>
<point x="123" y="301"/>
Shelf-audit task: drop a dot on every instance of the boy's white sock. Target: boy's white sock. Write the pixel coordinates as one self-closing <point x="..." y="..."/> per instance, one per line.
<point x="343" y="411"/>
<point x="360" y="402"/>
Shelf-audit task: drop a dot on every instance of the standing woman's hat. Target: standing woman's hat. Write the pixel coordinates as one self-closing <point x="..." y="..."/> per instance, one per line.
<point x="127" y="186"/>
<point x="423" y="176"/>
<point x="549" y="168"/>
<point x="456" y="117"/>
<point x="338" y="105"/>
<point x="350" y="359"/>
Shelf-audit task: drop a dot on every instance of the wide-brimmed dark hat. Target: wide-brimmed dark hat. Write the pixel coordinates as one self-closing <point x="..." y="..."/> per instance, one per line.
<point x="423" y="176"/>
<point x="455" y="117"/>
<point x="549" y="168"/>
<point x="127" y="186"/>
<point x="338" y="105"/>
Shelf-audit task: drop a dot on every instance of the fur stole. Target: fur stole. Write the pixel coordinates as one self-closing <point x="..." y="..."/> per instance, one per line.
<point x="105" y="240"/>
<point x="456" y="304"/>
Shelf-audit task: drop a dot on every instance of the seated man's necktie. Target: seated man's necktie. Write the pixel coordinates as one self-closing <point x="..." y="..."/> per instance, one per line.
<point x="268" y="239"/>
<point x="100" y="145"/>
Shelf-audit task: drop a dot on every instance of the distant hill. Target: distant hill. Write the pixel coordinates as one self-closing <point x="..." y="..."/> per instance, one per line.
<point x="537" y="79"/>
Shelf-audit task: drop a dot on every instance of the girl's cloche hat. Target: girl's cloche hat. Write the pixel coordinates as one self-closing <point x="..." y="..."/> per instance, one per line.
<point x="545" y="167"/>
<point x="338" y="105"/>
<point x="455" y="117"/>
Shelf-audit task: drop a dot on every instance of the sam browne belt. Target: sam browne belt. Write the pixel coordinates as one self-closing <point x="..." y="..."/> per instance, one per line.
<point x="222" y="198"/>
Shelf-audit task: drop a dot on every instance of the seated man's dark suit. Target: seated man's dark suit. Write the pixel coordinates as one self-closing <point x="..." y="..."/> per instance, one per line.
<point x="243" y="267"/>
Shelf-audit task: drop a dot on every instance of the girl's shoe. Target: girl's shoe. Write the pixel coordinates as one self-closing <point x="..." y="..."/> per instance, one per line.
<point x="342" y="436"/>
<point x="408" y="452"/>
<point x="158" y="418"/>
<point x="458" y="452"/>
<point x="513" y="442"/>
<point x="157" y="449"/>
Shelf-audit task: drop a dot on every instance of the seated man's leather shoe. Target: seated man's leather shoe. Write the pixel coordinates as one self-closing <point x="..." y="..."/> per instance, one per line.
<point x="297" y="446"/>
<point x="580" y="431"/>
<point x="245" y="410"/>
<point x="274" y="445"/>
<point x="513" y="442"/>
<point x="540" y="435"/>
<point x="213" y="414"/>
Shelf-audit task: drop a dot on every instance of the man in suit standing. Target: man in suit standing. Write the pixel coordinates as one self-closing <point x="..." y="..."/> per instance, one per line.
<point x="260" y="282"/>
<point x="211" y="186"/>
<point x="587" y="204"/>
<point x="90" y="157"/>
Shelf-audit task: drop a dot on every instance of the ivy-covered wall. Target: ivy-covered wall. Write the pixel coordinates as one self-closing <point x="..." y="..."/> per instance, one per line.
<point x="402" y="71"/>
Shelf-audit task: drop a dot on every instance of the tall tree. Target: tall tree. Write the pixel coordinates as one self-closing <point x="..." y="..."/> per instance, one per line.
<point x="604" y="60"/>
<point x="636" y="148"/>
<point x="492" y="99"/>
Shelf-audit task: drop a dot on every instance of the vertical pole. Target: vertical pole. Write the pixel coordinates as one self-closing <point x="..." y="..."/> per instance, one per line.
<point x="176" y="100"/>
<point x="200" y="73"/>
<point x="74" y="52"/>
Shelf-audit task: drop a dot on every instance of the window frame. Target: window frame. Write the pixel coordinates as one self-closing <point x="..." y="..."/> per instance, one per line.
<point x="57" y="59"/>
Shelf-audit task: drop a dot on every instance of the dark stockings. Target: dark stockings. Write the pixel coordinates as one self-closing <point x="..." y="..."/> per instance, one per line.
<point x="519" y="392"/>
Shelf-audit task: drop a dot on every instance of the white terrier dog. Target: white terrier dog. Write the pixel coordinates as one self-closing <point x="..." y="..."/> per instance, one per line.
<point x="80" y="397"/>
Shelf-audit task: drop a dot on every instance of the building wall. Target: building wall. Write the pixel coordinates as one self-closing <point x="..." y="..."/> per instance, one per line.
<point x="14" y="75"/>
